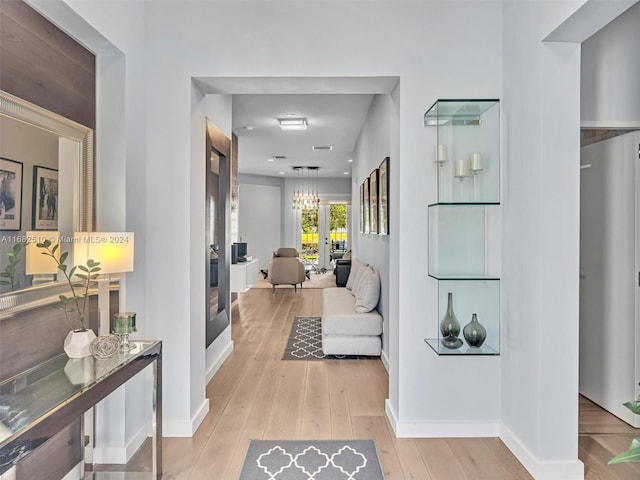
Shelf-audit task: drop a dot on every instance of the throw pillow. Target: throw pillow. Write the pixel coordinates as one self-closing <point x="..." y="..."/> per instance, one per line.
<point x="347" y="255"/>
<point x="355" y="266"/>
<point x="368" y="293"/>
<point x="362" y="272"/>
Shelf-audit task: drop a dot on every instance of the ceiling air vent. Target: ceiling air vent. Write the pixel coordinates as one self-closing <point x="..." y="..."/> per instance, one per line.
<point x="321" y="147"/>
<point x="279" y="157"/>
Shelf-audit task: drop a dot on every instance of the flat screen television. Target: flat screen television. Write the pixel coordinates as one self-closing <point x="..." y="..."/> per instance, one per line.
<point x="242" y="250"/>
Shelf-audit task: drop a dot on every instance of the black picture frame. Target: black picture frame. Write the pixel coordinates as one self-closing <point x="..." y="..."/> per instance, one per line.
<point x="11" y="176"/>
<point x="362" y="207"/>
<point x="383" y="197"/>
<point x="366" y="205"/>
<point x="45" y="198"/>
<point x="373" y="202"/>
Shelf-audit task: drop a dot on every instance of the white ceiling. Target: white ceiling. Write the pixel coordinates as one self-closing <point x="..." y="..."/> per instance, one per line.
<point x="335" y="107"/>
<point x="333" y="119"/>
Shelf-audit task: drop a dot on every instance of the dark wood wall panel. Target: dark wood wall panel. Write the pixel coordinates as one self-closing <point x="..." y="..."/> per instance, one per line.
<point x="35" y="336"/>
<point x="43" y="65"/>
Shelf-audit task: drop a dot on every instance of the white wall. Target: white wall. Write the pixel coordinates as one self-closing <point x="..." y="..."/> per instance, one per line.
<point x="259" y="218"/>
<point x="610" y="72"/>
<point x="248" y="42"/>
<point x="373" y="145"/>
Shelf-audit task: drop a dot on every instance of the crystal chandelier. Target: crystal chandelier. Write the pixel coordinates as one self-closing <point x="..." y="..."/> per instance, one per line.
<point x="305" y="188"/>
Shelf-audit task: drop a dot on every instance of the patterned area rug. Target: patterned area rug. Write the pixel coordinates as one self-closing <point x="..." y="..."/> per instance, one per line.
<point x="305" y="342"/>
<point x="312" y="460"/>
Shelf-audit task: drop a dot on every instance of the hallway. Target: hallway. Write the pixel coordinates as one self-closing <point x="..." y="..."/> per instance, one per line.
<point x="257" y="395"/>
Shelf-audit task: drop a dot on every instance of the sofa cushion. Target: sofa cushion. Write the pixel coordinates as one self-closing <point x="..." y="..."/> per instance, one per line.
<point x="339" y="316"/>
<point x="362" y="271"/>
<point x="285" y="252"/>
<point x="355" y="266"/>
<point x="368" y="292"/>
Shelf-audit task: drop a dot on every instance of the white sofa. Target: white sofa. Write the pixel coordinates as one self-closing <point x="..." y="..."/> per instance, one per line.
<point x="351" y="325"/>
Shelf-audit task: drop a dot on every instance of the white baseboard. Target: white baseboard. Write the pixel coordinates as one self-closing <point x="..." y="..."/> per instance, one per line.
<point x="217" y="362"/>
<point x="541" y="470"/>
<point x="438" y="430"/>
<point x="121" y="455"/>
<point x="385" y="360"/>
<point x="186" y="429"/>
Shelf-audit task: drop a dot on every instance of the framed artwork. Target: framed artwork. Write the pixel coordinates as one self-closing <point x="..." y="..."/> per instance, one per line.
<point x="362" y="208"/>
<point x="383" y="197"/>
<point x="10" y="194"/>
<point x="45" y="198"/>
<point x="365" y="204"/>
<point x="373" y="199"/>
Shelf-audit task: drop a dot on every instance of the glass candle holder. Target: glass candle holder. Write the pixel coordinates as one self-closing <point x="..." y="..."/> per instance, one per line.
<point x="124" y="324"/>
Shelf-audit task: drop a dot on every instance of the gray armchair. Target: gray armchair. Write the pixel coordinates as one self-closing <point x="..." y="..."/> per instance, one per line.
<point x="285" y="268"/>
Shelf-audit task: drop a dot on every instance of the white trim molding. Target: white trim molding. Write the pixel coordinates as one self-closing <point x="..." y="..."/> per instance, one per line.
<point x="439" y="430"/>
<point x="186" y="429"/>
<point x="571" y="470"/>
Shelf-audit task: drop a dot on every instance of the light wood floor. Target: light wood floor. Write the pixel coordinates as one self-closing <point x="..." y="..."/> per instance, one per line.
<point x="257" y="395"/>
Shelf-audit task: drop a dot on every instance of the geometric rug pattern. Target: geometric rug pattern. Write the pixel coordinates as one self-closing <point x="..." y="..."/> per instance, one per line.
<point x="312" y="460"/>
<point x="305" y="341"/>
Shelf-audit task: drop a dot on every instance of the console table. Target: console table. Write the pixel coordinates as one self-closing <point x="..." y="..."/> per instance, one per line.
<point x="38" y="403"/>
<point x="244" y="275"/>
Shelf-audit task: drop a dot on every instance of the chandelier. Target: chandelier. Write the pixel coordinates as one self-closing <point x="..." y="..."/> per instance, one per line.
<point x="305" y="188"/>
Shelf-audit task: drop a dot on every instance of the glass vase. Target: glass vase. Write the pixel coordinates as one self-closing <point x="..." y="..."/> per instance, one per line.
<point x="449" y="326"/>
<point x="474" y="333"/>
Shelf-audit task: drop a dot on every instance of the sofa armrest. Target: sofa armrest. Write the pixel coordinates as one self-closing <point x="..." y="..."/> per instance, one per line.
<point x="342" y="271"/>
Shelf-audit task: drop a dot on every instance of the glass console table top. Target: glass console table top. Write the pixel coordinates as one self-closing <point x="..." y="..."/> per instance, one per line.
<point x="28" y="397"/>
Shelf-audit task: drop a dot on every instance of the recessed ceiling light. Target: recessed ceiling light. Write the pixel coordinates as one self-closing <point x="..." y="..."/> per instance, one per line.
<point x="271" y="159"/>
<point x="322" y="147"/>
<point x="291" y="115"/>
<point x="350" y="160"/>
<point x="248" y="127"/>
<point x="293" y="123"/>
<point x="281" y="173"/>
<point x="346" y="173"/>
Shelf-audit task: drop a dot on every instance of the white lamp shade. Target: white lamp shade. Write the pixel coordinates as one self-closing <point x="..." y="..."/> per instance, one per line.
<point x="35" y="262"/>
<point x="114" y="250"/>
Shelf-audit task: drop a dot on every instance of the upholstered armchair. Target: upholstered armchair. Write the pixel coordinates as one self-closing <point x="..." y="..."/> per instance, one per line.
<point x="285" y="268"/>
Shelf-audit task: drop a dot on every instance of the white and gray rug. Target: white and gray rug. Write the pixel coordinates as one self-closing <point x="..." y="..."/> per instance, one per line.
<point x="312" y="460"/>
<point x="305" y="341"/>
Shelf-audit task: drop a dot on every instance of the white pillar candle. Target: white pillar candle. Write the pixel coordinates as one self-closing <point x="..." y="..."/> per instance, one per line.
<point x="440" y="152"/>
<point x="462" y="168"/>
<point x="476" y="161"/>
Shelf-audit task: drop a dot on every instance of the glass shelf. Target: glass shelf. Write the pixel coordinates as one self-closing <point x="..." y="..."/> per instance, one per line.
<point x="457" y="112"/>
<point x="440" y="349"/>
<point x="467" y="150"/>
<point x="464" y="241"/>
<point x="462" y="276"/>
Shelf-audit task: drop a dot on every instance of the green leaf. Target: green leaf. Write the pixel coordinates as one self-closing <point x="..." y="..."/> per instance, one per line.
<point x="63" y="257"/>
<point x="5" y="274"/>
<point x="63" y="298"/>
<point x="4" y="282"/>
<point x="633" y="406"/>
<point x="96" y="269"/>
<point x="55" y="248"/>
<point x="82" y="276"/>
<point x="631" y="455"/>
<point x="11" y="255"/>
<point x="72" y="271"/>
<point x="83" y="268"/>
<point x="62" y="267"/>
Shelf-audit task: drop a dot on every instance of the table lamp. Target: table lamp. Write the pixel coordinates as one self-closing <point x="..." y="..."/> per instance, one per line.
<point x="114" y="251"/>
<point x="42" y="267"/>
